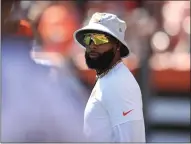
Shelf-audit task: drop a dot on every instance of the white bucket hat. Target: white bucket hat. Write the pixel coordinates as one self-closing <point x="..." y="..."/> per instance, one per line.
<point x="107" y="23"/>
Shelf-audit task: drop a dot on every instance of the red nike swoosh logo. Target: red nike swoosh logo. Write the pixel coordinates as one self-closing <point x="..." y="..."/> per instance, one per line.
<point x="125" y="113"/>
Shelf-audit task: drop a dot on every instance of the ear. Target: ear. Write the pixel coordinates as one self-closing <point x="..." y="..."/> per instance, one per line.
<point x="118" y="45"/>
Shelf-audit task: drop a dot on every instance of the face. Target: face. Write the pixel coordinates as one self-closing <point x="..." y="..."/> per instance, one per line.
<point x="100" y="56"/>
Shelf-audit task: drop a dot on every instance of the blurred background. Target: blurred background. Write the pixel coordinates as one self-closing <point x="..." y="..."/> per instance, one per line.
<point x="46" y="83"/>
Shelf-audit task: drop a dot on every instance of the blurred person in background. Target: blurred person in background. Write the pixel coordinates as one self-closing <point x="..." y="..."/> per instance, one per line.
<point x="37" y="107"/>
<point x="114" y="110"/>
<point x="56" y="25"/>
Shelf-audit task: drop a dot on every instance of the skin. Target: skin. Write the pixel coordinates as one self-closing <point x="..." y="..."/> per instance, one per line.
<point x="105" y="47"/>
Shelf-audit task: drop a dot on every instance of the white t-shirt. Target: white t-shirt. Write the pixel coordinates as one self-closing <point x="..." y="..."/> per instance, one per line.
<point x="114" y="110"/>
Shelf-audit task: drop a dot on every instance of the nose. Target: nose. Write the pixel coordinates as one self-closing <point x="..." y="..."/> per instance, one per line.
<point x="92" y="45"/>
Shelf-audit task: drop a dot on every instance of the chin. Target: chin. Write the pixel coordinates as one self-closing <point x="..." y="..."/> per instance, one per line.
<point x="91" y="67"/>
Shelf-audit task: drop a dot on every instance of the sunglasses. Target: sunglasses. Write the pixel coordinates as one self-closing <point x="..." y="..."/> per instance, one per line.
<point x="98" y="39"/>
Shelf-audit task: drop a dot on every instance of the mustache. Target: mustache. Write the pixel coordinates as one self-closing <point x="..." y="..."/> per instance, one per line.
<point x="88" y="51"/>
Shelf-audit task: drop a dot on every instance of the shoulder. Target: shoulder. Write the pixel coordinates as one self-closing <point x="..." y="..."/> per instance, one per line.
<point x="120" y="80"/>
<point x="119" y="87"/>
<point x="11" y="40"/>
<point x="120" y="74"/>
<point x="16" y="48"/>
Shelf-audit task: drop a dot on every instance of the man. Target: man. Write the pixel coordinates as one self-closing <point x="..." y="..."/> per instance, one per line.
<point x="114" y="110"/>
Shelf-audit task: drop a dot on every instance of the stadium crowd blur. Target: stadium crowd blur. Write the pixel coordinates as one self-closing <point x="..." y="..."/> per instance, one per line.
<point x="46" y="83"/>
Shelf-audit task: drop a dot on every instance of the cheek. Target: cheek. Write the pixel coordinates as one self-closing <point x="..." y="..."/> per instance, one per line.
<point x="104" y="48"/>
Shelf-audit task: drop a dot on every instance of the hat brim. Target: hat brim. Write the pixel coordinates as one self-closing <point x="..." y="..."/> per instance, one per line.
<point x="95" y="27"/>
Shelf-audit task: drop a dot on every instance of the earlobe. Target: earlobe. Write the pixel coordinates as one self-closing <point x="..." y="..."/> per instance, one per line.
<point x="118" y="45"/>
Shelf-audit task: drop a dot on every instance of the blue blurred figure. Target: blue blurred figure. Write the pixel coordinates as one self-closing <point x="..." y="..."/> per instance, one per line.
<point x="34" y="108"/>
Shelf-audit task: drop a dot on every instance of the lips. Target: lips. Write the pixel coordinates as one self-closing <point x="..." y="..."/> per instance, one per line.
<point x="93" y="54"/>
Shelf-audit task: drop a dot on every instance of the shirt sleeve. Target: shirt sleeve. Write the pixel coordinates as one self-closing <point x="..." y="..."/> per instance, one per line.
<point x="131" y="131"/>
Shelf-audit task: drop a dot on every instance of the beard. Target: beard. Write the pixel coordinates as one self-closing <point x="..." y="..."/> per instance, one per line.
<point x="100" y="63"/>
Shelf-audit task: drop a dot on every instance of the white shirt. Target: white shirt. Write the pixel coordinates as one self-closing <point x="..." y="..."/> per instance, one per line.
<point x="114" y="110"/>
